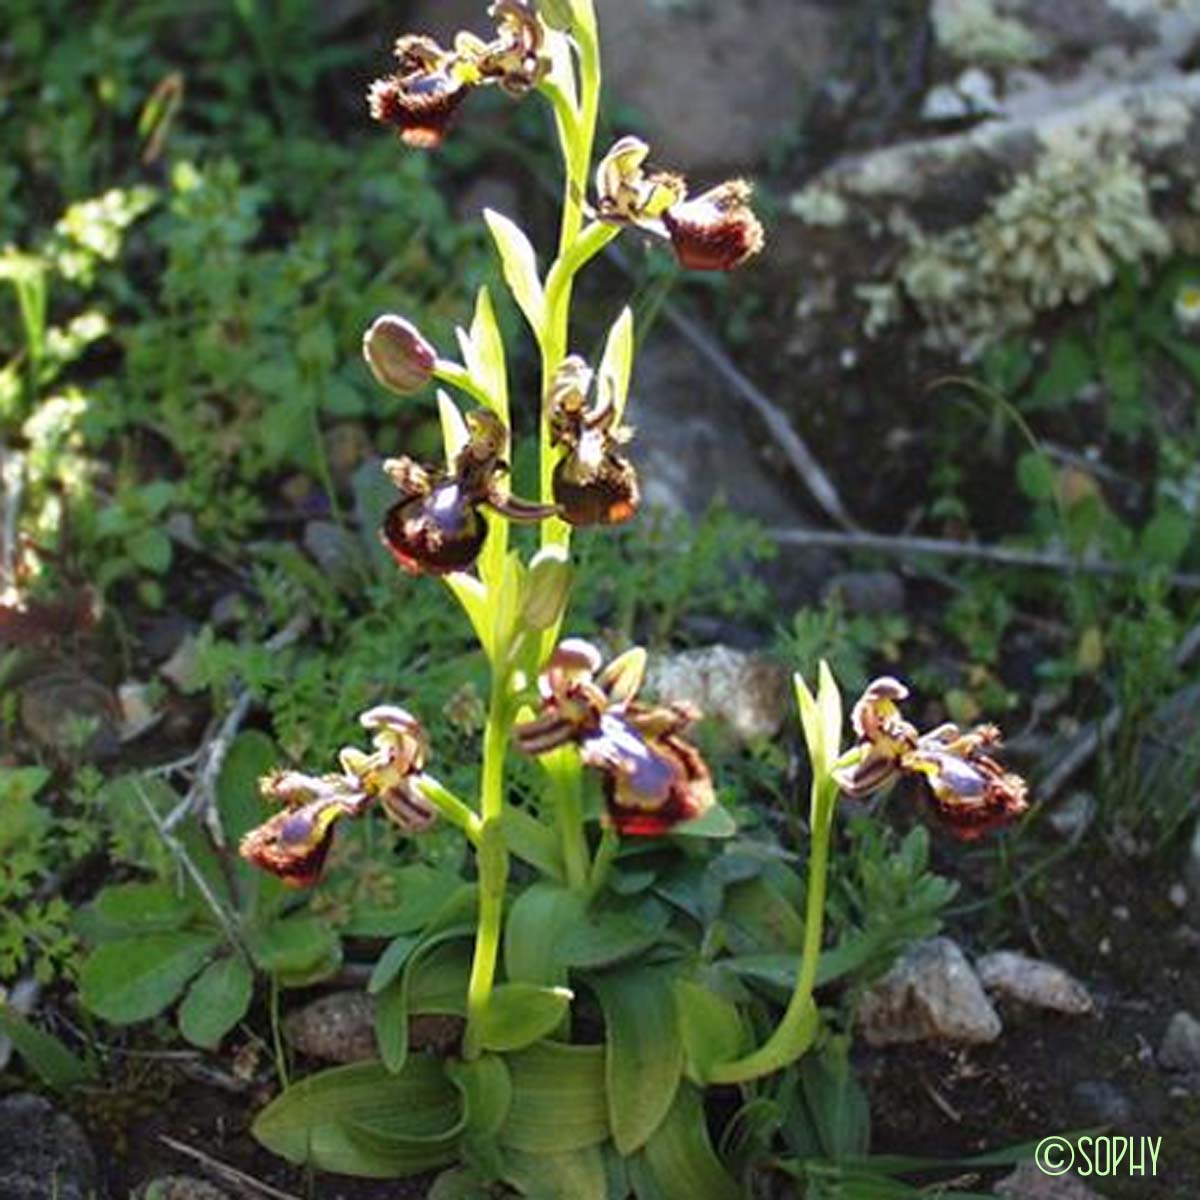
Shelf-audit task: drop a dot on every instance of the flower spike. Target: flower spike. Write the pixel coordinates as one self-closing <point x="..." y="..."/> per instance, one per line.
<point x="439" y="528"/>
<point x="654" y="779"/>
<point x="594" y="484"/>
<point x="968" y="790"/>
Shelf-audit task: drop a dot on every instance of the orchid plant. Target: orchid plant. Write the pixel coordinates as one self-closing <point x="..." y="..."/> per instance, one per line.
<point x="592" y="971"/>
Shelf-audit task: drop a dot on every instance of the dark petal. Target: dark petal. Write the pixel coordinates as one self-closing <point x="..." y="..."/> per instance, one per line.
<point x="651" y="784"/>
<point x="999" y="800"/>
<point x="868" y="775"/>
<point x="420" y="107"/>
<point x="717" y="231"/>
<point x="515" y="509"/>
<point x="293" y="845"/>
<point x="545" y="734"/>
<point x="610" y="497"/>
<point x="436" y="534"/>
<point x="407" y="807"/>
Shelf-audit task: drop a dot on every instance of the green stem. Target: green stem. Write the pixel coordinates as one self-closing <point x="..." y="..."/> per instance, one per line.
<point x="798" y="1027"/>
<point x="566" y="780"/>
<point x="606" y="854"/>
<point x="492" y="861"/>
<point x="456" y="375"/>
<point x="451" y="807"/>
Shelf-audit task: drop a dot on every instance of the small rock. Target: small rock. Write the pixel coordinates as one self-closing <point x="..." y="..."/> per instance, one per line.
<point x="972" y="94"/>
<point x="867" y="593"/>
<point x="69" y="714"/>
<point x="138" y="713"/>
<point x="745" y="691"/>
<point x="1033" y="982"/>
<point x="1180" y="1049"/>
<point x="181" y="1187"/>
<point x="45" y="1153"/>
<point x="930" y="994"/>
<point x="1029" y="1182"/>
<point x="182" y="669"/>
<point x="336" y="1028"/>
<point x="1102" y="1102"/>
<point x="1071" y="819"/>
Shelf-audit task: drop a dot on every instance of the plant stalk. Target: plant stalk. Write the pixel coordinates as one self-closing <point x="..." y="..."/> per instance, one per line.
<point x="798" y="1027"/>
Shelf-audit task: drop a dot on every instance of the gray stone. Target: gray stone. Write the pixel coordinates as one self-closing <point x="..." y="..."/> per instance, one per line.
<point x="1072" y="818"/>
<point x="931" y="994"/>
<point x="181" y="1187"/>
<point x="1103" y="1102"/>
<point x="70" y="714"/>
<point x="1191" y="872"/>
<point x="715" y="84"/>
<point x="45" y="1153"/>
<point x="1033" y="982"/>
<point x="1029" y="1182"/>
<point x="1180" y="1049"/>
<point x="182" y="669"/>
<point x="746" y="692"/>
<point x="867" y="593"/>
<point x="337" y="1028"/>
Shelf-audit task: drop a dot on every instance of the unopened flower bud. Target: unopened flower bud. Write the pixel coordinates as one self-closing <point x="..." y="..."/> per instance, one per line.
<point x="399" y="357"/>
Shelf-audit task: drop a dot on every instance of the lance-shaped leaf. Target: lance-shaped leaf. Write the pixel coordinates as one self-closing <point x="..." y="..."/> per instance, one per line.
<point x="520" y="267"/>
<point x="680" y="1158"/>
<point x="643" y="1055"/>
<point x="483" y="354"/>
<point x="362" y="1120"/>
<point x="519" y="1014"/>
<point x="616" y="367"/>
<point x="558" y="1102"/>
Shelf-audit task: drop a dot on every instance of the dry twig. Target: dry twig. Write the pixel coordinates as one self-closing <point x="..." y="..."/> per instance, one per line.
<point x="901" y="545"/>
<point x="224" y="1171"/>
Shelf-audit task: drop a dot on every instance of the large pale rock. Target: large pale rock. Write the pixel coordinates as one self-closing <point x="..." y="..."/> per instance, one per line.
<point x="1033" y="982"/>
<point x="931" y="994"/>
<point x="977" y="234"/>
<point x="746" y="692"/>
<point x="716" y="84"/>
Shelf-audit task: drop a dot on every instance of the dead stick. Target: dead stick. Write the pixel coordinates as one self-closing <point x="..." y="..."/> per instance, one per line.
<point x="224" y="1170"/>
<point x="900" y="544"/>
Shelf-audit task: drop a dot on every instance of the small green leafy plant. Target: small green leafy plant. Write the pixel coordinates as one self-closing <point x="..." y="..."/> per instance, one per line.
<point x="615" y="947"/>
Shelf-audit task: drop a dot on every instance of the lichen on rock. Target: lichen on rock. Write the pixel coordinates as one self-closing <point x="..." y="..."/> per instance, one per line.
<point x="1058" y="235"/>
<point x="976" y="31"/>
